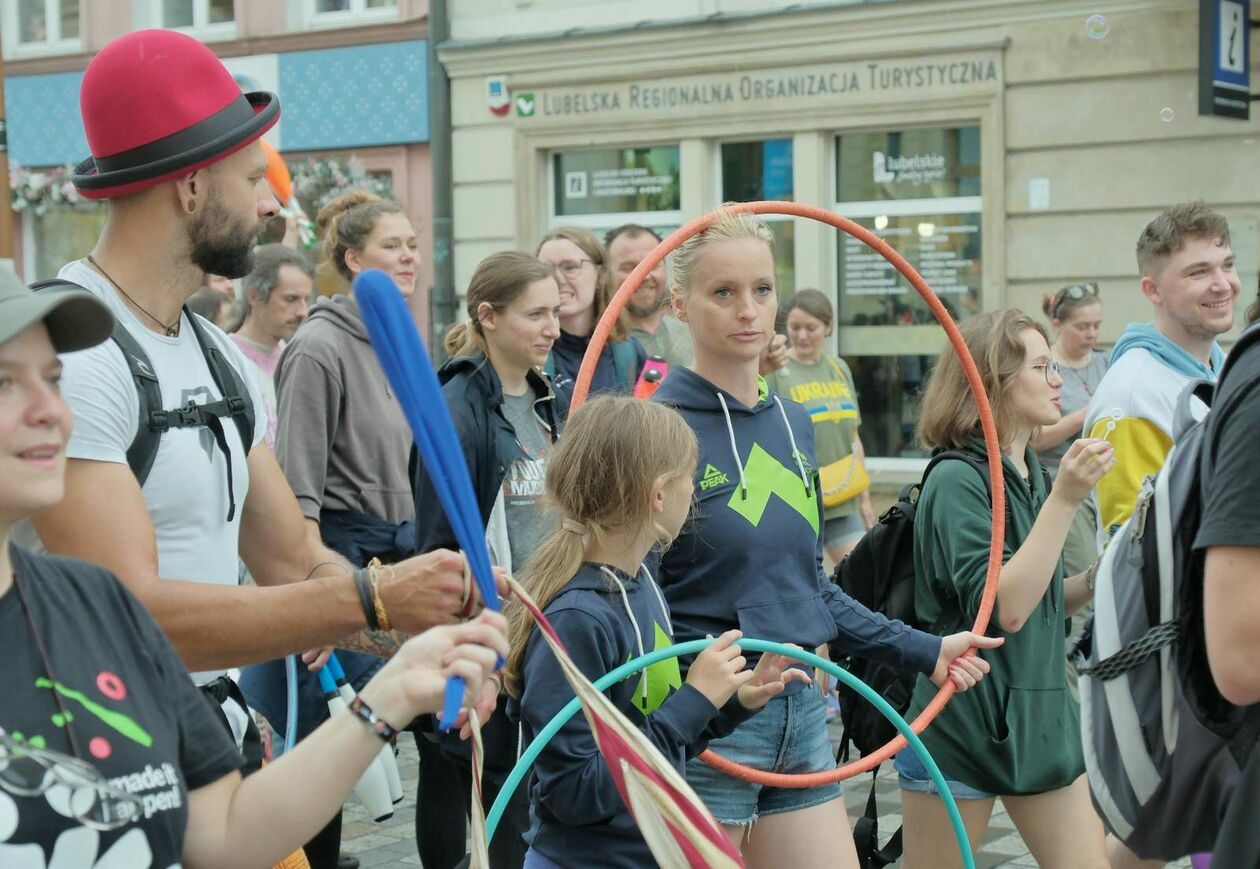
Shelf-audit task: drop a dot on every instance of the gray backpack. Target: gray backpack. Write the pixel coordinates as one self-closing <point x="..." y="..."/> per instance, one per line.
<point x="1163" y="750"/>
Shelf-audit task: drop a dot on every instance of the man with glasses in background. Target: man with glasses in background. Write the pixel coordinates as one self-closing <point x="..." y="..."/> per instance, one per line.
<point x="1190" y="278"/>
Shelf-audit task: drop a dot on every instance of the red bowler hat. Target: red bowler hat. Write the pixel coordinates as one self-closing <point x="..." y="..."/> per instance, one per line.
<point x="158" y="104"/>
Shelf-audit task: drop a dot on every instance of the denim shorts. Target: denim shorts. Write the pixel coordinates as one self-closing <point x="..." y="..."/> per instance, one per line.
<point x="913" y="776"/>
<point x="788" y="735"/>
<point x="843" y="530"/>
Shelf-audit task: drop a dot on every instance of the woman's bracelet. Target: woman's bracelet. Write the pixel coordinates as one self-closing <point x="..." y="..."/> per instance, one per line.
<point x="379" y="725"/>
<point x="363" y="585"/>
<point x="1091" y="575"/>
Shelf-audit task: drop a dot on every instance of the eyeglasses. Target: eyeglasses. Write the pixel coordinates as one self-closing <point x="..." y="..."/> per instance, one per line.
<point x="1075" y="292"/>
<point x="1050" y="370"/>
<point x="571" y="268"/>
<point x="26" y="771"/>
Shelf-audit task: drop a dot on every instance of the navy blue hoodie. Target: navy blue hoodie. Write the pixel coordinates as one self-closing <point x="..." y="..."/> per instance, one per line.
<point x="578" y="816"/>
<point x="617" y="370"/>
<point x="750" y="556"/>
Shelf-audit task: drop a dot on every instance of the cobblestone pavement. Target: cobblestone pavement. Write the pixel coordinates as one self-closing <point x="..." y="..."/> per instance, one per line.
<point x="392" y="843"/>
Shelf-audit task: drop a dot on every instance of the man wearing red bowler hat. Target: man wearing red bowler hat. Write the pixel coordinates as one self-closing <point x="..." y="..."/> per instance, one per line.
<point x="176" y="155"/>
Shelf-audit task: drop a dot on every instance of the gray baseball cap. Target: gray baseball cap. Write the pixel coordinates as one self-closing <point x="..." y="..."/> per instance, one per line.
<point x="75" y="318"/>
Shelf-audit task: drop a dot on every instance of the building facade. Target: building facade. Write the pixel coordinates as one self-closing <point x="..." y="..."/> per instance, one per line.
<point x="1003" y="147"/>
<point x="352" y="77"/>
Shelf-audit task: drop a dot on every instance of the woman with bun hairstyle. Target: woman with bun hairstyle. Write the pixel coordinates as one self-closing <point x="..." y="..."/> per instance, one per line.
<point x="343" y="444"/>
<point x="1075" y="313"/>
<point x="508" y="420"/>
<point x="1018" y="734"/>
<point x="751" y="556"/>
<point x="586" y="288"/>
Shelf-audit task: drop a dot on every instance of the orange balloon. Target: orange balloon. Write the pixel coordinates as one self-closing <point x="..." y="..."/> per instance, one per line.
<point x="277" y="173"/>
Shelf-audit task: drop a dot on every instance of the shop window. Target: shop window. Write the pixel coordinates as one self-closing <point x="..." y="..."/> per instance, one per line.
<point x="919" y="190"/>
<point x="41" y="26"/>
<point x="758" y="171"/>
<point x="605" y="188"/>
<point x="335" y="13"/>
<point x="202" y="17"/>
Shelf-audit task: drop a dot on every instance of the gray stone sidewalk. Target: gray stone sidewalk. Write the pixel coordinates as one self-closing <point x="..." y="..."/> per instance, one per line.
<point x="392" y="843"/>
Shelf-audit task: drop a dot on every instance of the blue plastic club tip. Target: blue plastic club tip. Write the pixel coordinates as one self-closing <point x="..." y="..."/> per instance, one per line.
<point x="326" y="683"/>
<point x="450" y="706"/>
<point x="334" y="666"/>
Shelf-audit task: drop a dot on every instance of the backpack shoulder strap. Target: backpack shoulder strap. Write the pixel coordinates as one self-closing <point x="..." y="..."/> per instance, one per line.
<point x="144" y="445"/>
<point x="624" y="357"/>
<point x="228" y="381"/>
<point x="981" y="467"/>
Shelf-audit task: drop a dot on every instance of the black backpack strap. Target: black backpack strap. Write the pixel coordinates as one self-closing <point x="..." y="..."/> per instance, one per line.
<point x="981" y="467"/>
<point x="144" y="445"/>
<point x="866" y="835"/>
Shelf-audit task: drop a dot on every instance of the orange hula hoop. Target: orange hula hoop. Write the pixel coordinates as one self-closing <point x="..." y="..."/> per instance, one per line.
<point x="997" y="488"/>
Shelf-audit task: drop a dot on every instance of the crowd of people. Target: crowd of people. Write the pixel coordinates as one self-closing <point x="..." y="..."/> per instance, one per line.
<point x="203" y="503"/>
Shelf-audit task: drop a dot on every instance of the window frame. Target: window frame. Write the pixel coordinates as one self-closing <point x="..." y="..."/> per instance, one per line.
<point x="358" y="14"/>
<point x="606" y="220"/>
<point x="14" y="48"/>
<point x="202" y="27"/>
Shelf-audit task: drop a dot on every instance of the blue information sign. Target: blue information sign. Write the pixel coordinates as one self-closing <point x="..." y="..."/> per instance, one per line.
<point x="1225" y="58"/>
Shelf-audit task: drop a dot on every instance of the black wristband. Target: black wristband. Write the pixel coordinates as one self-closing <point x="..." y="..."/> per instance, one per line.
<point x="379" y="725"/>
<point x="363" y="585"/>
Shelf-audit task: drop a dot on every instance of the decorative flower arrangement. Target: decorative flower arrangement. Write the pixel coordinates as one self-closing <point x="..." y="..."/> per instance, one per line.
<point x="316" y="181"/>
<point x="37" y="190"/>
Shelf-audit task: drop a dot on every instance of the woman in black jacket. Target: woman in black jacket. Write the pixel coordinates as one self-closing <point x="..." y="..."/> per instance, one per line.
<point x="508" y="419"/>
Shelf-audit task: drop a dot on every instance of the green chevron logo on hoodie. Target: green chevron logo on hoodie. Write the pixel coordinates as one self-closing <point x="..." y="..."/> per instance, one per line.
<point x="766" y="476"/>
<point x="663" y="677"/>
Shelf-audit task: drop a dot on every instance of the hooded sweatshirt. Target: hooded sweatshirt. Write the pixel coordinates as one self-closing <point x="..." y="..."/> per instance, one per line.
<point x="750" y="556"/>
<point x="566" y="360"/>
<point x="604" y="618"/>
<point x="342" y="441"/>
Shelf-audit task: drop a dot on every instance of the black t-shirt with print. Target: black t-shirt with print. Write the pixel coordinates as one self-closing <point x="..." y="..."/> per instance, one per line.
<point x="135" y="715"/>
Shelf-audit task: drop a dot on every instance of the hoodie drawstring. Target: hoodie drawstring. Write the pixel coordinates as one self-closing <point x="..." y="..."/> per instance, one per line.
<point x="730" y="431"/>
<point x="796" y="454"/>
<point x="638" y="635"/>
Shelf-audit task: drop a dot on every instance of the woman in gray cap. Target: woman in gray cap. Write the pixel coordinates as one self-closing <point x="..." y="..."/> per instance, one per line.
<point x="109" y="755"/>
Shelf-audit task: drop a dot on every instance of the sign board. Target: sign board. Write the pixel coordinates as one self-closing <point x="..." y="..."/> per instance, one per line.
<point x="617" y="180"/>
<point x="1225" y="58"/>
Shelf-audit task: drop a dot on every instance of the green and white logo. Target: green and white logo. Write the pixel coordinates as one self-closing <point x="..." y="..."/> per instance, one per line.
<point x="525" y="105"/>
<point x="712" y="477"/>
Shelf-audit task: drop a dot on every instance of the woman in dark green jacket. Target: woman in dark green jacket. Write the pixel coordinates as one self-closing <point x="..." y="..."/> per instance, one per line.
<point x="1017" y="733"/>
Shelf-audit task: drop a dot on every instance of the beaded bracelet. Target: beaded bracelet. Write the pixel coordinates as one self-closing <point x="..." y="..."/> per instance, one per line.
<point x="379" y="725"/>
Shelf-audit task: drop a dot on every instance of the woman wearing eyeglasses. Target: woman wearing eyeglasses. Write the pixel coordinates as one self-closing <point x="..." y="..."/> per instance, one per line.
<point x="109" y="755"/>
<point x="585" y="289"/>
<point x="1017" y="733"/>
<point x="1076" y="314"/>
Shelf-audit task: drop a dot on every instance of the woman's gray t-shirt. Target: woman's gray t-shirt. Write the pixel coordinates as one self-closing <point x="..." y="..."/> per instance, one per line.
<point x="523" y="484"/>
<point x="1077" y="391"/>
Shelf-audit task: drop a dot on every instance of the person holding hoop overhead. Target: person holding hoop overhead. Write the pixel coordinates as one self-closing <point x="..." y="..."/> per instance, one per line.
<point x="750" y="557"/>
<point x="1018" y="734"/>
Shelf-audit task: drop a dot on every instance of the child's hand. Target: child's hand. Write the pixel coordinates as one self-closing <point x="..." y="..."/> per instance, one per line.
<point x="718" y="672"/>
<point x="769" y="678"/>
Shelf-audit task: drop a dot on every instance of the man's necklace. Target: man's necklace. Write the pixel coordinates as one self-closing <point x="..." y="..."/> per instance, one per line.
<point x="172" y="330"/>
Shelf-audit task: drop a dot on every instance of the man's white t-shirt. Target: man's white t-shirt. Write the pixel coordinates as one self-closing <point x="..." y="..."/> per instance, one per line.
<point x="186" y="490"/>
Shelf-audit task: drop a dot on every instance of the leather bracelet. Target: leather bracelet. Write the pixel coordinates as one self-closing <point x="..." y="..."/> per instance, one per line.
<point x="363" y="585"/>
<point x="379" y="725"/>
<point x="1091" y="576"/>
<point x="382" y="617"/>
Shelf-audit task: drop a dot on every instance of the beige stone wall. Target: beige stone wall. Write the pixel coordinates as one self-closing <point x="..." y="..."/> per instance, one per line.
<point x="1086" y="114"/>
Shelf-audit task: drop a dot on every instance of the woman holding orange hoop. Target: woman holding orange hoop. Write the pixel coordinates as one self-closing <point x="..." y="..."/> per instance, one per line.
<point x="1018" y="734"/>
<point x="750" y="557"/>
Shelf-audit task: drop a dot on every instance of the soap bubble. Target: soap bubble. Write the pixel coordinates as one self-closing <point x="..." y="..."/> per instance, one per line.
<point x="1096" y="26"/>
<point x="1166" y="114"/>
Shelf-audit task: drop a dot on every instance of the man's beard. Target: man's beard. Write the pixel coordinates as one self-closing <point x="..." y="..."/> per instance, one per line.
<point x="221" y="245"/>
<point x="642" y="311"/>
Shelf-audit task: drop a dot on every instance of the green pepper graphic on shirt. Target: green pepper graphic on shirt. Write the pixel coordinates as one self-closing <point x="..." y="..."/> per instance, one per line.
<point x="662" y="678"/>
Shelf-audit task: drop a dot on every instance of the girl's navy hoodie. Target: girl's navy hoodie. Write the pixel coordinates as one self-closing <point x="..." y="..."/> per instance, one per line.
<point x="750" y="556"/>
<point x="604" y="618"/>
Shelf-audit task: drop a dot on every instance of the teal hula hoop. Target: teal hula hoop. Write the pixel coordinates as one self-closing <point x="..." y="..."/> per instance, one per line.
<point x="694" y="646"/>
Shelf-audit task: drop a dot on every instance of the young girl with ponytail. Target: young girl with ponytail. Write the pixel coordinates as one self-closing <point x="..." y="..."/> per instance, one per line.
<point x="621" y="489"/>
<point x="508" y="419"/>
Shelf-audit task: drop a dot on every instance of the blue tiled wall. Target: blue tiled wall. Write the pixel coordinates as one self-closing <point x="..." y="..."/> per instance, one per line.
<point x="354" y="97"/>
<point x="43" y="115"/>
<point x="358" y="96"/>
